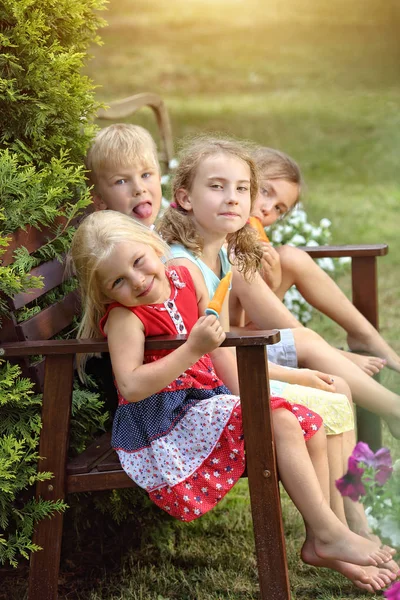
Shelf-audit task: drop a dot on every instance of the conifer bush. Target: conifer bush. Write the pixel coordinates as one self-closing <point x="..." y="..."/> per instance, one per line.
<point x="46" y="110"/>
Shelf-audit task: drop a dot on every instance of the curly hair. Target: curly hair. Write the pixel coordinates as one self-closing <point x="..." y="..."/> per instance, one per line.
<point x="177" y="225"/>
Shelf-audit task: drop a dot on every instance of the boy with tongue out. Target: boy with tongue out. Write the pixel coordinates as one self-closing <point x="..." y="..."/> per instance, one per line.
<point x="123" y="168"/>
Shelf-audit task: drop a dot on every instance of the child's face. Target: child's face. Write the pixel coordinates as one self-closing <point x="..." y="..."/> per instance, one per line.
<point x="134" y="191"/>
<point x="220" y="195"/>
<point x="275" y="198"/>
<point x="133" y="275"/>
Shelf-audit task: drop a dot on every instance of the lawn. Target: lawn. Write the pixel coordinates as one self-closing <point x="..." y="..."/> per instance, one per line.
<point x="320" y="80"/>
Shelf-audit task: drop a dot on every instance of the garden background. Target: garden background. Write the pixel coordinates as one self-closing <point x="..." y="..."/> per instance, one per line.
<point x="322" y="82"/>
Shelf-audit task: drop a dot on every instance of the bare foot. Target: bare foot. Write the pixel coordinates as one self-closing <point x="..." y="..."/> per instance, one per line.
<point x="370" y="579"/>
<point x="375" y="344"/>
<point x="369" y="364"/>
<point x="350" y="547"/>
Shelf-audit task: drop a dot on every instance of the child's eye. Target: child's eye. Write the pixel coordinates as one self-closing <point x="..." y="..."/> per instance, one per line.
<point x="216" y="186"/>
<point x="137" y="261"/>
<point x="116" y="282"/>
<point x="146" y="175"/>
<point x="265" y="191"/>
<point x="120" y="181"/>
<point x="243" y="188"/>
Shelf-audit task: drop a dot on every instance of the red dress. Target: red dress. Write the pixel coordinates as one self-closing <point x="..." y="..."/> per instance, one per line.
<point x="184" y="444"/>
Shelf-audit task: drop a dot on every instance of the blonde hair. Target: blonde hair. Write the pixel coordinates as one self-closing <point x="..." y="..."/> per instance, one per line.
<point x="177" y="226"/>
<point x="120" y="145"/>
<point x="93" y="242"/>
<point x="274" y="164"/>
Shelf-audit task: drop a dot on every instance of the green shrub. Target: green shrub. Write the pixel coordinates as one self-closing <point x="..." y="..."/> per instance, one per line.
<point x="46" y="109"/>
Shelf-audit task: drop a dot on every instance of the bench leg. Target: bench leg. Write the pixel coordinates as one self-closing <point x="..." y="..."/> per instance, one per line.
<point x="262" y="474"/>
<point x="44" y="564"/>
<point x="364" y="277"/>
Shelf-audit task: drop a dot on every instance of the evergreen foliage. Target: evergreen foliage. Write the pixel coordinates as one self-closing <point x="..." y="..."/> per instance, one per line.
<point x="46" y="110"/>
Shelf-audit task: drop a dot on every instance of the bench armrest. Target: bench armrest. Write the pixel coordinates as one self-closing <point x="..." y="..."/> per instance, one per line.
<point x="353" y="251"/>
<point x="163" y="342"/>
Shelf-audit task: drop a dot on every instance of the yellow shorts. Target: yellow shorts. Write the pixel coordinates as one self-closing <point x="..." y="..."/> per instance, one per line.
<point x="335" y="409"/>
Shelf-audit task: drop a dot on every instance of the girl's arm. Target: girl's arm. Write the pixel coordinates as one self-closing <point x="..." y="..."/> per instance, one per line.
<point x="260" y="304"/>
<point x="224" y="359"/>
<point x="307" y="377"/>
<point x="137" y="381"/>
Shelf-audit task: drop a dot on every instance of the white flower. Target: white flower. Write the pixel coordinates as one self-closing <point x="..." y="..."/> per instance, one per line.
<point x="173" y="163"/>
<point x="325" y="223"/>
<point x="326" y="264"/>
<point x="277" y="237"/>
<point x="298" y="240"/>
<point x="344" y="260"/>
<point x="312" y="243"/>
<point x="165" y="179"/>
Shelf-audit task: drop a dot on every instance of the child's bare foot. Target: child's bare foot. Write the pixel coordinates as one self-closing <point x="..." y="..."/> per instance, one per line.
<point x="370" y="579"/>
<point x="369" y="364"/>
<point x="374" y="344"/>
<point x="347" y="546"/>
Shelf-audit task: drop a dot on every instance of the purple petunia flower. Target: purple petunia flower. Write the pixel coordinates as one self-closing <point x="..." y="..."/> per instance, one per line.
<point x="351" y="484"/>
<point x="381" y="461"/>
<point x="393" y="593"/>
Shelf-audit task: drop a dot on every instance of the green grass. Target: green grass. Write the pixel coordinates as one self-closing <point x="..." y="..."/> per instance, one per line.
<point x="319" y="80"/>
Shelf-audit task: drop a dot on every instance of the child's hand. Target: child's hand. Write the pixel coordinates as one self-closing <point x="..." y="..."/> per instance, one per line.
<point x="271" y="266"/>
<point x="314" y="379"/>
<point x="206" y="335"/>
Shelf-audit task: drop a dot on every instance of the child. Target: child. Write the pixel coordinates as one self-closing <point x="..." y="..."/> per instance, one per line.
<point x="124" y="170"/>
<point x="183" y="443"/>
<point x="279" y="193"/>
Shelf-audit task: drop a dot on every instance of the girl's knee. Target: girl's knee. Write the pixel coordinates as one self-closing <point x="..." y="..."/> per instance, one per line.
<point x="283" y="421"/>
<point x="292" y="258"/>
<point x="318" y="442"/>
<point x="342" y="387"/>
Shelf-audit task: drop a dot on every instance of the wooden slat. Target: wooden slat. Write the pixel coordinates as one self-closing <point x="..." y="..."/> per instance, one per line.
<point x="50" y="321"/>
<point x="262" y="473"/>
<point x="53" y="275"/>
<point x="53" y="448"/>
<point x="91" y="456"/>
<point x="162" y="342"/>
<point x="110" y="462"/>
<point x="95" y="481"/>
<point x="349" y="250"/>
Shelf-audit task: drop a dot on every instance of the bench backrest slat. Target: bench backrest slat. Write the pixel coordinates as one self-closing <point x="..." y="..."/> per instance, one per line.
<point x="51" y="320"/>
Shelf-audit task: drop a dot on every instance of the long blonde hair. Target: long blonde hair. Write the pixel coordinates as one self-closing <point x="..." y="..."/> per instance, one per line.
<point x="177" y="225"/>
<point x="93" y="242"/>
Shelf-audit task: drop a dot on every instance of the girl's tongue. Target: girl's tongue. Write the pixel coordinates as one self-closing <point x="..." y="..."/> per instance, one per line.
<point x="143" y="211"/>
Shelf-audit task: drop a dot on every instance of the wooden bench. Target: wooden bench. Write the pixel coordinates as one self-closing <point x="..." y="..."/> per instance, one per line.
<point x="98" y="467"/>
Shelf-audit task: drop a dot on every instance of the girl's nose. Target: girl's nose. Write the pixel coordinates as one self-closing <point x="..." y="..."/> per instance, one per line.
<point x="137" y="281"/>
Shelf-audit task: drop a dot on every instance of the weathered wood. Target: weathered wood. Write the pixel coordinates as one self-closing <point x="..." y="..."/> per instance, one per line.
<point x="53" y="449"/>
<point x="51" y="320"/>
<point x="262" y="474"/>
<point x="162" y="342"/>
<point x="52" y="273"/>
<point x="365" y="277"/>
<point x="91" y="456"/>
<point x="351" y="251"/>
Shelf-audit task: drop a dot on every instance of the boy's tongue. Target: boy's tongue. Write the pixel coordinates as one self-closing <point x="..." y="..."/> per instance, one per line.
<point x="143" y="211"/>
